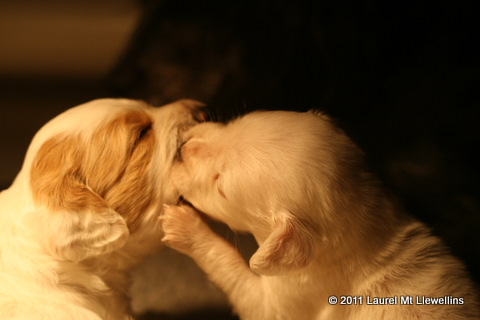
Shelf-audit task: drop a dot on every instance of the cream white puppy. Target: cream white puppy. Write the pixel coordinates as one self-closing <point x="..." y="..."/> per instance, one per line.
<point x="331" y="244"/>
<point x="84" y="208"/>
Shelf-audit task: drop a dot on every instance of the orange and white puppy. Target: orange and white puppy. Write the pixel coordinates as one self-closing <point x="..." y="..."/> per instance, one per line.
<point x="84" y="208"/>
<point x="331" y="245"/>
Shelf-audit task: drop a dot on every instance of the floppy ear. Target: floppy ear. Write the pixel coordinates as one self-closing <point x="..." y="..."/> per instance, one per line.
<point x="73" y="222"/>
<point x="76" y="223"/>
<point x="76" y="236"/>
<point x="288" y="247"/>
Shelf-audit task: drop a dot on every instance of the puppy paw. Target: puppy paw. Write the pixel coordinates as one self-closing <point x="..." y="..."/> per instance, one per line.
<point x="183" y="228"/>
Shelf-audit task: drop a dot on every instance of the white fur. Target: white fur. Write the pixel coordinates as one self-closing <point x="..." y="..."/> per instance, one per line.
<point x="64" y="264"/>
<point x="323" y="225"/>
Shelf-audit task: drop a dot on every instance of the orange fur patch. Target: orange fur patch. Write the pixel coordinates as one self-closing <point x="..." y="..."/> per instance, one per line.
<point x="108" y="170"/>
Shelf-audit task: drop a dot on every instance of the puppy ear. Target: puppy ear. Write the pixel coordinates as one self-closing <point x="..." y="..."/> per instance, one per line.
<point x="76" y="236"/>
<point x="73" y="222"/>
<point x="287" y="248"/>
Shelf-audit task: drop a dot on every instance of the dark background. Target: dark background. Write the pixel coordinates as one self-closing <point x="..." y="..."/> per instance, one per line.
<point x="399" y="77"/>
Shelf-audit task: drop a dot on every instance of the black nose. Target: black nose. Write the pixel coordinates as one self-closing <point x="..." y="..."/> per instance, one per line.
<point x="201" y="114"/>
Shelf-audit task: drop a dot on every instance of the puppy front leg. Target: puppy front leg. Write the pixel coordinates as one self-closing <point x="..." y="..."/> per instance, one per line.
<point x="185" y="231"/>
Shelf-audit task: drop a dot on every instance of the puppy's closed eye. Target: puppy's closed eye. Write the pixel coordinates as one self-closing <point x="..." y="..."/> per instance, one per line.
<point x="144" y="132"/>
<point x="218" y="184"/>
<point x="141" y="135"/>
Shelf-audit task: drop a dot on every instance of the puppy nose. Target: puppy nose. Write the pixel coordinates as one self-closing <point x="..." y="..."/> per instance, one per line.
<point x="201" y="114"/>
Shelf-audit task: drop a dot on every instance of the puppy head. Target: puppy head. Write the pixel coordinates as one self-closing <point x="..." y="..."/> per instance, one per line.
<point x="94" y="174"/>
<point x="278" y="175"/>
